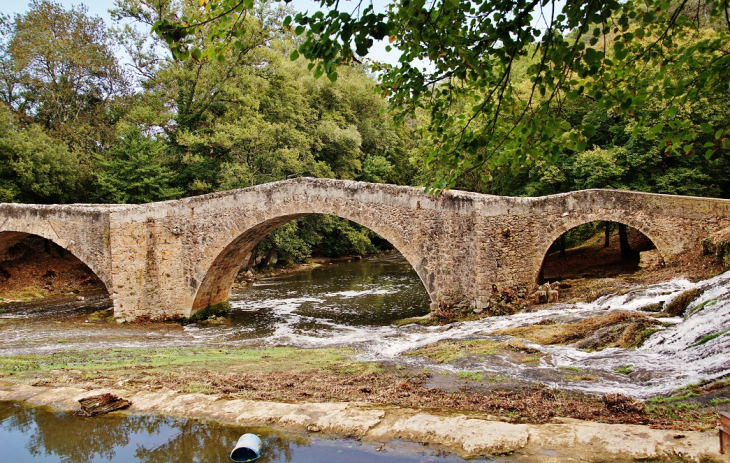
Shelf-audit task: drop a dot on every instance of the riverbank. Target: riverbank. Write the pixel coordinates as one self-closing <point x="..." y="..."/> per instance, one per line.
<point x="297" y="375"/>
<point x="468" y="435"/>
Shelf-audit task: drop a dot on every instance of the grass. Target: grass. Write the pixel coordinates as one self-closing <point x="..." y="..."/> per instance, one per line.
<point x="173" y="358"/>
<point x="579" y="378"/>
<point x="102" y="316"/>
<point x="470" y="375"/>
<point x="679" y="304"/>
<point x="709" y="337"/>
<point x="628" y="330"/>
<point x="665" y="400"/>
<point x="625" y="369"/>
<point x="699" y="307"/>
<point x="451" y="351"/>
<point x="720" y="401"/>
<point x="568" y="367"/>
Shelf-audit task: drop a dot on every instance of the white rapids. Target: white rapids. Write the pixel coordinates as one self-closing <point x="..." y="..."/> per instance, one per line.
<point x="687" y="350"/>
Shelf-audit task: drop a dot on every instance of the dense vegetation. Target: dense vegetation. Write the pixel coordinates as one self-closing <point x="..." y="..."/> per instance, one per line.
<point x="95" y="113"/>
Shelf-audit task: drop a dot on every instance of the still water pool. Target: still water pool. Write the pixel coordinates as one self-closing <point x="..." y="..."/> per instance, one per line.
<point x="36" y="434"/>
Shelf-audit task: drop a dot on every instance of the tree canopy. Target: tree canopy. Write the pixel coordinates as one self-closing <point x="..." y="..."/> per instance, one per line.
<point x="500" y="72"/>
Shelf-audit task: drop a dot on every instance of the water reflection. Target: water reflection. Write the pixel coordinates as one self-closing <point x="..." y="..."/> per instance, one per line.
<point x="328" y="301"/>
<point x="38" y="434"/>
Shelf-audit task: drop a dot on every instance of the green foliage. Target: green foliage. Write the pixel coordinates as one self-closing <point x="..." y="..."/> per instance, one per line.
<point x="134" y="171"/>
<point x="33" y="167"/>
<point x="59" y="70"/>
<point x="501" y="73"/>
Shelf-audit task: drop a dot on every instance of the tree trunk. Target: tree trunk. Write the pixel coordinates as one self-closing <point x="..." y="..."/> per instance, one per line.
<point x="562" y="245"/>
<point x="607" y="234"/>
<point x="623" y="237"/>
<point x="267" y="260"/>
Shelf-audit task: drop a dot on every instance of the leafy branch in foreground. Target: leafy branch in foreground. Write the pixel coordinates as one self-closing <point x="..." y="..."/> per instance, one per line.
<point x="499" y="72"/>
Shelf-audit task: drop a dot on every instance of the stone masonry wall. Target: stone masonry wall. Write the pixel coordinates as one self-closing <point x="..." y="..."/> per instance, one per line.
<point x="172" y="258"/>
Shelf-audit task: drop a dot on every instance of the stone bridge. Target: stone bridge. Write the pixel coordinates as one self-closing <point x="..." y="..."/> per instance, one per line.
<point x="175" y="257"/>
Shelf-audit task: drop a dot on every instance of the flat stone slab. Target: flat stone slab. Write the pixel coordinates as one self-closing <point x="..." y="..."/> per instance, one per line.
<point x="562" y="440"/>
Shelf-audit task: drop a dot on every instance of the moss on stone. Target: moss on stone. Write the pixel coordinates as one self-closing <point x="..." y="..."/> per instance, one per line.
<point x="216" y="310"/>
<point x="680" y="303"/>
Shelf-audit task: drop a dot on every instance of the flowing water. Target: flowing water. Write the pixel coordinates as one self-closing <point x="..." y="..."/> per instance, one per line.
<point x="352" y="304"/>
<point x="30" y="434"/>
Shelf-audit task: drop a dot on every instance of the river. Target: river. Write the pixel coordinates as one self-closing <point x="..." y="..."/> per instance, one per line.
<point x="354" y="303"/>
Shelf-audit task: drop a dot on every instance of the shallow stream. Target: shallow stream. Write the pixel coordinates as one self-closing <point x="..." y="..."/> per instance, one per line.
<point x="353" y="303"/>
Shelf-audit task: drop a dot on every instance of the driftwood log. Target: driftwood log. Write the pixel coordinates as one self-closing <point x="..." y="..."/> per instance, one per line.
<point x="100" y="404"/>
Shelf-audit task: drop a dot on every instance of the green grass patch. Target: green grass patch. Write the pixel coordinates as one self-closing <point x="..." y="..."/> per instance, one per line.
<point x="226" y="358"/>
<point x="470" y="375"/>
<point x="451" y="351"/>
<point x="709" y="337"/>
<point x="579" y="378"/>
<point x="568" y="367"/>
<point x="665" y="400"/>
<point x="720" y="401"/>
<point x="624" y="369"/>
<point x="699" y="307"/>
<point x="216" y="310"/>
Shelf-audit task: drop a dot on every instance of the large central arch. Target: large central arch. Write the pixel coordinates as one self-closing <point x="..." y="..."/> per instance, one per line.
<point x="218" y="270"/>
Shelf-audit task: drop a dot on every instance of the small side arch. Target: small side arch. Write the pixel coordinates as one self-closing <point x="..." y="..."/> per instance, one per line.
<point x="8" y="238"/>
<point x="554" y="233"/>
<point x="217" y="272"/>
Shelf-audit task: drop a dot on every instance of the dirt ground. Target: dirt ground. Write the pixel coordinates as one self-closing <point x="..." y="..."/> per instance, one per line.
<point x="589" y="271"/>
<point x="33" y="271"/>
<point x="290" y="375"/>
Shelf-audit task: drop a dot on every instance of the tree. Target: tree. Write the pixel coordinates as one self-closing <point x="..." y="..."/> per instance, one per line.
<point x="58" y="69"/>
<point x="134" y="171"/>
<point x="34" y="168"/>
<point x="619" y="54"/>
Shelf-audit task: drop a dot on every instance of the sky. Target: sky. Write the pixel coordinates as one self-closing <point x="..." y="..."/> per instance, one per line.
<point x="101" y="8"/>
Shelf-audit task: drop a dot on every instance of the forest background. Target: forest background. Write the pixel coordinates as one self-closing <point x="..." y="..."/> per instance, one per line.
<point x="103" y="113"/>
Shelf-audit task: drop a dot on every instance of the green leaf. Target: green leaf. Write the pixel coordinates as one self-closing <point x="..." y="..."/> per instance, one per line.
<point x="589" y="131"/>
<point x="287" y="21"/>
<point x="332" y="77"/>
<point x="294" y="55"/>
<point x="707" y="128"/>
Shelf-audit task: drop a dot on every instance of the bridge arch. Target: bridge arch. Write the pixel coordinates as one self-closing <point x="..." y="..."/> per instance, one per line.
<point x="13" y="235"/>
<point x="553" y="233"/>
<point x="217" y="271"/>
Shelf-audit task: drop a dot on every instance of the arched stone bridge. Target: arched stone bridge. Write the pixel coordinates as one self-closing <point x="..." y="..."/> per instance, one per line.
<point x="175" y="257"/>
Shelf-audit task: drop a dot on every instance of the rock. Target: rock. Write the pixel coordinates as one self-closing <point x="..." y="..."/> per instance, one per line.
<point x="539" y="297"/>
<point x="80" y="298"/>
<point x="478" y="311"/>
<point x="312" y="428"/>
<point x="553" y="296"/>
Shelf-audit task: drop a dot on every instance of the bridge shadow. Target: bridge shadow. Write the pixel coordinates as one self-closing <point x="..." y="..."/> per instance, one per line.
<point x="598" y="250"/>
<point x="33" y="267"/>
